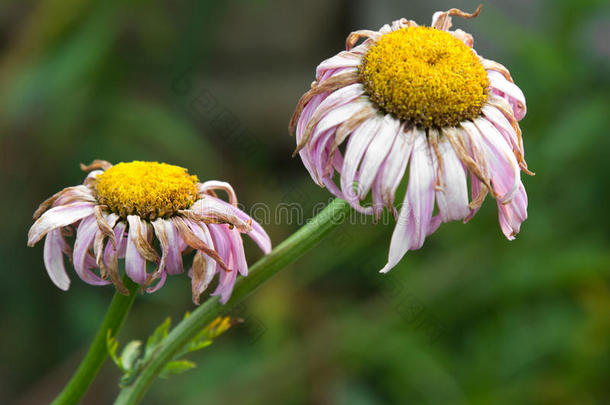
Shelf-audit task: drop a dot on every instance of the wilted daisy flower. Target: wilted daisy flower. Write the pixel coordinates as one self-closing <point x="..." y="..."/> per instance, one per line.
<point x="419" y="100"/>
<point x="145" y="212"/>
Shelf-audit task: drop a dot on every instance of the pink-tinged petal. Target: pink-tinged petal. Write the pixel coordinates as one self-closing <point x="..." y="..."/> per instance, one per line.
<point x="305" y="118"/>
<point x="452" y="197"/>
<point x="356" y="147"/>
<point x="161" y="234"/>
<point x="174" y="252"/>
<point x="160" y="282"/>
<point x="222" y="242"/>
<point x="512" y="214"/>
<point x="497" y="118"/>
<point x="326" y="129"/>
<point x="476" y="187"/>
<point x="226" y="281"/>
<point x="343" y="59"/>
<point x="82" y="259"/>
<point x="510" y="91"/>
<point x="212" y="209"/>
<point x="54" y="247"/>
<point x="135" y="264"/>
<point x="376" y="153"/>
<point x="58" y="217"/>
<point x="210" y="186"/>
<point x="119" y="236"/>
<point x="257" y="233"/>
<point x="334" y="100"/>
<point x="395" y="165"/>
<point x="503" y="167"/>
<point x="415" y="215"/>
<point x="204" y="270"/>
<point x="75" y="194"/>
<point x="237" y="248"/>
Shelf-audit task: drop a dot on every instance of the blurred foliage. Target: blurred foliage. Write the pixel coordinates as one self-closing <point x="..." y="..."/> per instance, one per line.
<point x="470" y="318"/>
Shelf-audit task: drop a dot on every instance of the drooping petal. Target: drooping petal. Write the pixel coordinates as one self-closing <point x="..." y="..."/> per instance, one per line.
<point x="355" y="151"/>
<point x="341" y="60"/>
<point x="503" y="167"/>
<point x="221" y="240"/>
<point x="510" y="91"/>
<point x="111" y="256"/>
<point x="512" y="214"/>
<point x="204" y="267"/>
<point x="256" y="231"/>
<point x="210" y="186"/>
<point x="452" y="197"/>
<point x="376" y="153"/>
<point x="416" y="213"/>
<point x="54" y="247"/>
<point x="135" y="264"/>
<point x="396" y="164"/>
<point x="58" y="217"/>
<point x="82" y="258"/>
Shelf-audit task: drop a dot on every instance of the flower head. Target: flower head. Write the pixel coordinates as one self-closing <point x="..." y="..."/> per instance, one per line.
<point x="145" y="212"/>
<point x="417" y="100"/>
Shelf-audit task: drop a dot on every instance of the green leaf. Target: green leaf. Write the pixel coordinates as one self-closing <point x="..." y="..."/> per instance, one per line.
<point x="130" y="354"/>
<point x="112" y="345"/>
<point x="157" y="337"/>
<point x="176" y="367"/>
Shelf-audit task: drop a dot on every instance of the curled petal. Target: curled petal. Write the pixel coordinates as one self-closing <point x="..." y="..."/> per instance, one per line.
<point x="510" y="91"/>
<point x="441" y="20"/>
<point x="214" y="210"/>
<point x="191" y="233"/>
<point x="416" y="213"/>
<point x="503" y="167"/>
<point x="54" y="248"/>
<point x="210" y="186"/>
<point x="82" y="259"/>
<point x="96" y="164"/>
<point x="112" y="254"/>
<point x="332" y="111"/>
<point x="160" y="231"/>
<point x="344" y="59"/>
<point x="141" y="235"/>
<point x="58" y="217"/>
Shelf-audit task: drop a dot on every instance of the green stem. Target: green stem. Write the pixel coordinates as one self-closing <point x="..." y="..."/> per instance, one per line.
<point x="74" y="391"/>
<point x="285" y="253"/>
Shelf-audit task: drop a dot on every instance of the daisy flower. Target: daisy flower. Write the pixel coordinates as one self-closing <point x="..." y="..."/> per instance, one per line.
<point x="419" y="103"/>
<point x="145" y="212"/>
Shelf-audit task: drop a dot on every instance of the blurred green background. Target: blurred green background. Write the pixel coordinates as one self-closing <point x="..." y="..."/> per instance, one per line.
<point x="469" y="319"/>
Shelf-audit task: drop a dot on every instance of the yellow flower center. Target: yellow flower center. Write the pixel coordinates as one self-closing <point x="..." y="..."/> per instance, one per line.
<point x="425" y="76"/>
<point x="146" y="189"/>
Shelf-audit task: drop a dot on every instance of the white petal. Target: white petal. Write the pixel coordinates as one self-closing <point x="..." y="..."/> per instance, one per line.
<point x="452" y="198"/>
<point x="376" y="153"/>
<point x="58" y="217"/>
<point x="54" y="259"/>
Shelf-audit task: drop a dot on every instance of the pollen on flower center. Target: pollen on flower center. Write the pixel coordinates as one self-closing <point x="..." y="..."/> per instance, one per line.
<point x="425" y="76"/>
<point x="146" y="189"/>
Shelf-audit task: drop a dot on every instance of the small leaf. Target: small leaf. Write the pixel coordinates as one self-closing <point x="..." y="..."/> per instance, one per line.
<point x="112" y="345"/>
<point x="176" y="367"/>
<point x="130" y="354"/>
<point x="157" y="337"/>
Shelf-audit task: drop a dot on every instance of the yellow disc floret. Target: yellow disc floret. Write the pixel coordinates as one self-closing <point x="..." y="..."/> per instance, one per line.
<point x="147" y="189"/>
<point x="424" y="76"/>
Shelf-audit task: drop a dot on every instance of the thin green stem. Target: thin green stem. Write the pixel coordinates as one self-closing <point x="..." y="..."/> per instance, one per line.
<point x="285" y="253"/>
<point x="97" y="353"/>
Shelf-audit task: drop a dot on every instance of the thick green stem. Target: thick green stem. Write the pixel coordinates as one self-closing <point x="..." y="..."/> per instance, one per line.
<point x="285" y="253"/>
<point x="74" y="391"/>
